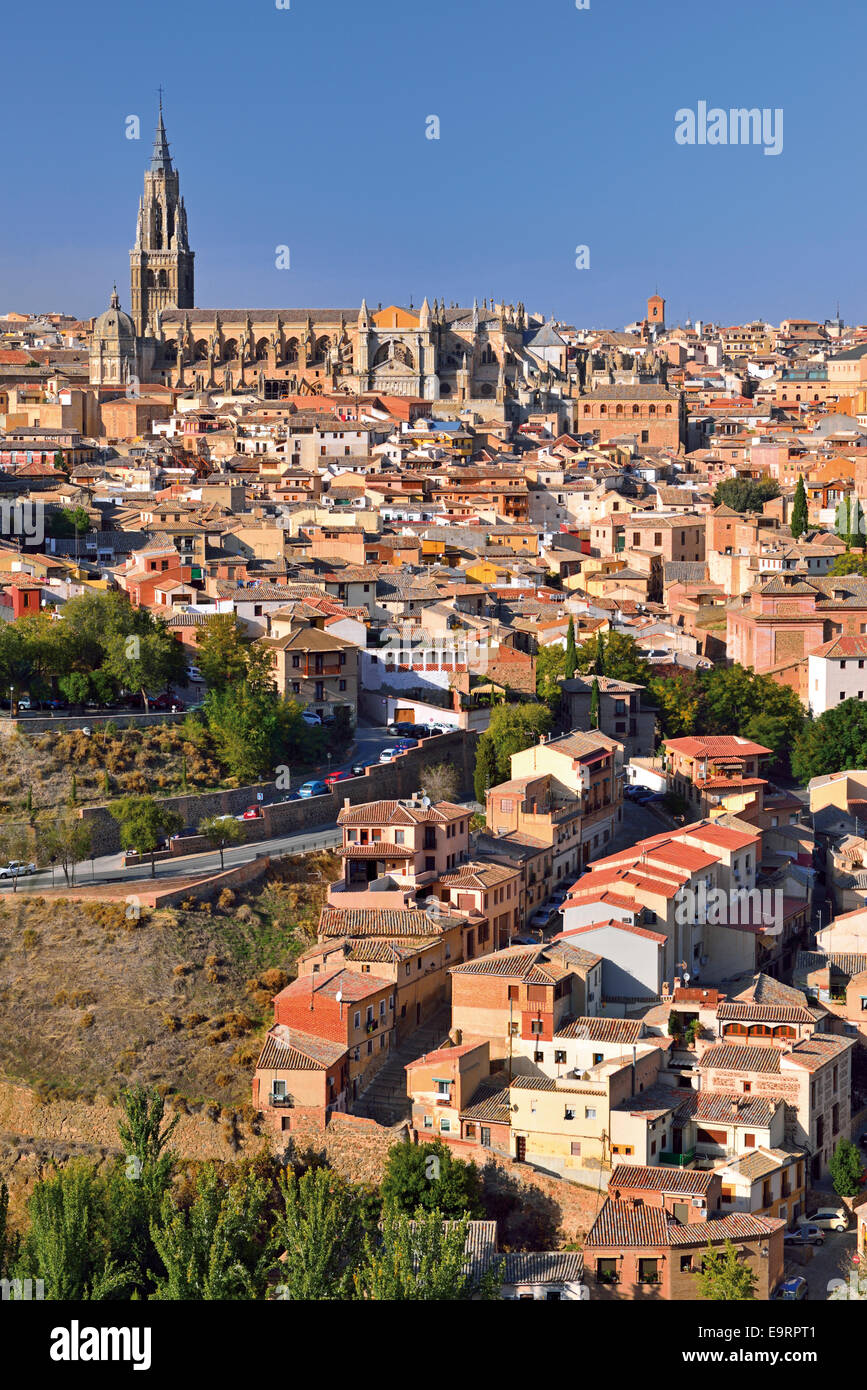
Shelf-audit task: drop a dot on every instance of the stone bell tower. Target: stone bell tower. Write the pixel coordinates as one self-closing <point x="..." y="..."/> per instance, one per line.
<point x="161" y="262"/>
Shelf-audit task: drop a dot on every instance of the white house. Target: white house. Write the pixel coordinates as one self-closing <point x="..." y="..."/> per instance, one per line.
<point x="837" y="671"/>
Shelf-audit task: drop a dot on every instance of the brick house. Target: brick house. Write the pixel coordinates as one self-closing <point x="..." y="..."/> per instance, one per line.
<point x="346" y="1007"/>
<point x="299" y="1076"/>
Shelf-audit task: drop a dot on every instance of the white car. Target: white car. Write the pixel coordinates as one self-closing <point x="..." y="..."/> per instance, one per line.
<point x="388" y="755"/>
<point x="311" y="717"/>
<point x="16" y="867"/>
<point x="829" y="1219"/>
<point x="441" y="728"/>
<point x="194" y="674"/>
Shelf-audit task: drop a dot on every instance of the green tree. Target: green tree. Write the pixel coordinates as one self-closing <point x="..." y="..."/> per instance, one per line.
<point x="550" y="667"/>
<point x="15" y="843"/>
<point x="420" y="1260"/>
<point x="620" y="657"/>
<point x="724" y="1277"/>
<point x="745" y="494"/>
<point x="144" y="661"/>
<point x="571" y="658"/>
<point x="512" y="728"/>
<point x="594" y="703"/>
<point x="834" y="741"/>
<point x="846" y="1169"/>
<point x="799" y="510"/>
<point x="485" y="771"/>
<point x="320" y="1232"/>
<point x="221" y="831"/>
<point x="221" y="651"/>
<point x="68" y="521"/>
<point x="66" y="840"/>
<point x="66" y="1244"/>
<point x="144" y="1136"/>
<point x="215" y="1247"/>
<point x="427" y="1177"/>
<point x="144" y="823"/>
<point x="850" y="562"/>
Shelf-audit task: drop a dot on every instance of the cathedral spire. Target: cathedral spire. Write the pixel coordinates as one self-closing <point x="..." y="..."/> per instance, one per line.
<point x="161" y="161"/>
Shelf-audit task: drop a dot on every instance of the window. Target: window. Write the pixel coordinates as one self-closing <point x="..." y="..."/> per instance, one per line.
<point x="356" y="1019"/>
<point x="589" y="1112"/>
<point x="648" y="1271"/>
<point x="749" y="1141"/>
<point x="575" y="1148"/>
<point x="569" y="1113"/>
<point x="428" y="1122"/>
<point x="536" y="1025"/>
<point x="559" y="1056"/>
<point x="686" y="1264"/>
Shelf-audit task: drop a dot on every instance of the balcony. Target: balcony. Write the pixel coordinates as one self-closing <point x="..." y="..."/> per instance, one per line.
<point x="281" y="1102"/>
<point x="683" y="1160"/>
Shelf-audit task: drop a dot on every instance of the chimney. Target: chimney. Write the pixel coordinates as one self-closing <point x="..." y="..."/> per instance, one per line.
<point x="346" y="803"/>
<point x="677" y="982"/>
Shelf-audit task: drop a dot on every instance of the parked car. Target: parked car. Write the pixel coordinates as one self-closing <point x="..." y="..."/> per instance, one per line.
<point x="311" y="717"/>
<point x="336" y="777"/>
<point x="792" y="1290"/>
<point x="437" y="728"/>
<point x="194" y="674"/>
<point x="524" y="941"/>
<point x="829" y="1218"/>
<point x="540" y="918"/>
<point x="804" y="1234"/>
<point x="314" y="788"/>
<point x="404" y="745"/>
<point x="184" y="834"/>
<point x="290" y="796"/>
<point x="15" y="868"/>
<point x="251" y="813"/>
<point x="388" y="755"/>
<point x="358" y="769"/>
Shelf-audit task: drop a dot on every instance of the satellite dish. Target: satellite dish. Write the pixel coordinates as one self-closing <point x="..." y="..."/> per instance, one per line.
<point x="339" y="996"/>
<point x="686" y="977"/>
<point x="425" y="801"/>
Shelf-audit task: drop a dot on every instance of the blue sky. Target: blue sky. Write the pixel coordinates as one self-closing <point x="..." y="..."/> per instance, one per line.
<point x="306" y="127"/>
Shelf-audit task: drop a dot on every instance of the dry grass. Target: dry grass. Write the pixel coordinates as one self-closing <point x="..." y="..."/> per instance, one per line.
<point x="180" y="1002"/>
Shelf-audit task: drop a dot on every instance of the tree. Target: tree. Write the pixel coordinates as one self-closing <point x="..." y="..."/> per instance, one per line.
<point x="834" y="741"/>
<point x="221" y="831"/>
<point x="550" y="668"/>
<point x="799" y="510"/>
<point x="221" y="651"/>
<point x="14" y="844"/>
<point x="571" y="658"/>
<point x="215" y="1247"/>
<point x="512" y="728"/>
<point x="144" y="823"/>
<point x="68" y="521"/>
<point x="745" y="494"/>
<point x="724" y="1278"/>
<point x="485" y="772"/>
<point x="850" y="562"/>
<point x="599" y="661"/>
<point x="145" y="1138"/>
<point x="144" y="661"/>
<point x="440" y="782"/>
<point x="846" y="1169"/>
<point x="422" y="1259"/>
<point x="66" y="1244"/>
<point x="427" y="1177"/>
<point x="594" y="703"/>
<point x="65" y="841"/>
<point x="620" y="657"/>
<point x="321" y="1234"/>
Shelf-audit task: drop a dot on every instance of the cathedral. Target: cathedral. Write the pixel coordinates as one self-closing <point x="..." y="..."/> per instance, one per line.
<point x="495" y="359"/>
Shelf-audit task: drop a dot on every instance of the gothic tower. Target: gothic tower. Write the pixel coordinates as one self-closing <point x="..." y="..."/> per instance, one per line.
<point x="161" y="262"/>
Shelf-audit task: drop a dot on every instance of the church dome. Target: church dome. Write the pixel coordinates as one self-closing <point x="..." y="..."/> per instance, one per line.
<point x="114" y="323"/>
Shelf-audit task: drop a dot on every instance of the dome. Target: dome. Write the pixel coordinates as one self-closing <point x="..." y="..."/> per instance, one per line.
<point x="114" y="323"/>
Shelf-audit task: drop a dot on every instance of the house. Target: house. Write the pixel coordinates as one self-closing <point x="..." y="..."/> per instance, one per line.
<point x="440" y="1084"/>
<point x="638" y="1252"/>
<point x="318" y="669"/>
<point x="299" y="1076"/>
<point x="718" y="774"/>
<point x="586" y="767"/>
<point x="623" y="713"/>
<point x="346" y="1007"/>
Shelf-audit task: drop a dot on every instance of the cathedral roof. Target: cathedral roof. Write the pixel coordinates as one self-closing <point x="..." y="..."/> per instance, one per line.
<point x="161" y="161"/>
<point x="114" y="323"/>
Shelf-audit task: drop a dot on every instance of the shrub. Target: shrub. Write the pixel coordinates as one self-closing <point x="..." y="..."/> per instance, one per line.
<point x="86" y="1021"/>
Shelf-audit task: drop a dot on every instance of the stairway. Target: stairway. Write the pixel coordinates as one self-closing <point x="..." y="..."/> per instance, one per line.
<point x="385" y="1099"/>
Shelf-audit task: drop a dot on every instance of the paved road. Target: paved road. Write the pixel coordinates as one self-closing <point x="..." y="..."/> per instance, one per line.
<point x="109" y="868"/>
<point x="833" y="1260"/>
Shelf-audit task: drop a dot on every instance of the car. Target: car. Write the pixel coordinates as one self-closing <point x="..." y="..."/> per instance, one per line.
<point x="312" y="718"/>
<point x="804" y="1234"/>
<point x="792" y="1290"/>
<point x="25" y="703"/>
<point x="15" y="868"/>
<point x="654" y="796"/>
<point x="289" y="796"/>
<point x="336" y="777"/>
<point x="314" y="788"/>
<point x="185" y="834"/>
<point x="358" y="769"/>
<point x="404" y="745"/>
<point x="251" y="813"/>
<point x="194" y="674"/>
<point x="829" y="1219"/>
<point x="436" y="728"/>
<point x="540" y="918"/>
<point x="524" y="941"/>
<point x="388" y="755"/>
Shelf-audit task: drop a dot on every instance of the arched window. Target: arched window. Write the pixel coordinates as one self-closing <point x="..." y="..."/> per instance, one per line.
<point x="635" y="409"/>
<point x="619" y="410"/>
<point x="200" y="351"/>
<point x="261" y="349"/>
<point x="734" y="1030"/>
<point x="760" y="1030"/>
<point x="292" y="350"/>
<point x="488" y="357"/>
<point x="653" y="410"/>
<point x="668" y="410"/>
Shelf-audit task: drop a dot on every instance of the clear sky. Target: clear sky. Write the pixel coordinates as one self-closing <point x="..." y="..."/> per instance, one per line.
<point x="306" y="127"/>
